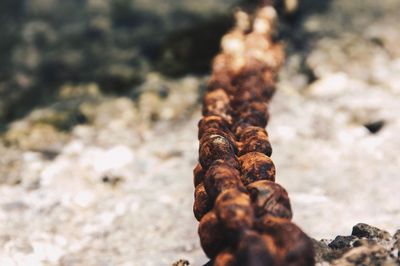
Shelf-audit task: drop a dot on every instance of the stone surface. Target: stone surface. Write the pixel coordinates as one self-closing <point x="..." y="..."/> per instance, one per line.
<point x="364" y="230"/>
<point x="66" y="198"/>
<point x="373" y="248"/>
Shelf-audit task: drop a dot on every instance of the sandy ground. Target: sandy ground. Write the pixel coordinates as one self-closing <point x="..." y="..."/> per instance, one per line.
<point x="120" y="192"/>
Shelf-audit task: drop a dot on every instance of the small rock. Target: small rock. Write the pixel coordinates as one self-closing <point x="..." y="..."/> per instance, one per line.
<point x="181" y="263"/>
<point x="322" y="251"/>
<point x="365" y="255"/>
<point x="365" y="230"/>
<point x="341" y="242"/>
<point x="396" y="235"/>
<point x="113" y="180"/>
<point x="396" y="245"/>
<point x="375" y="127"/>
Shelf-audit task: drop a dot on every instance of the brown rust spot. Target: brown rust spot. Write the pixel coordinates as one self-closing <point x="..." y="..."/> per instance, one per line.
<point x="211" y="233"/>
<point x="217" y="103"/>
<point x="254" y="111"/>
<point x="256" y="166"/>
<point x="226" y="134"/>
<point x="212" y="121"/>
<point x="221" y="176"/>
<point x="233" y="208"/>
<point x="253" y="250"/>
<point x="251" y="86"/>
<point x="202" y="203"/>
<point x="254" y="139"/>
<point x="269" y="198"/>
<point x="198" y="174"/>
<point x="225" y="258"/>
<point x="293" y="246"/>
<point x="214" y="147"/>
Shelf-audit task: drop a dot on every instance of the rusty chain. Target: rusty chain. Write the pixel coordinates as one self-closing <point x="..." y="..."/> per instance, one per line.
<point x="245" y="217"/>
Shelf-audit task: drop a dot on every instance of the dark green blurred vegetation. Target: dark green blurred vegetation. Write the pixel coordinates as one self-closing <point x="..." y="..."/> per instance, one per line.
<point x="47" y="43"/>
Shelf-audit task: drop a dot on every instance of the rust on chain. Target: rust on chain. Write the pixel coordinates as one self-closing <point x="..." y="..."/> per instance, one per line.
<point x="245" y="217"/>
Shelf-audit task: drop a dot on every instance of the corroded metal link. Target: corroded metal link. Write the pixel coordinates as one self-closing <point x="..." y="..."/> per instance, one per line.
<point x="245" y="218"/>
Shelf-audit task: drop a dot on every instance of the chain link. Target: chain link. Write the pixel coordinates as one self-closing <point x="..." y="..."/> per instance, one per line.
<point x="245" y="217"/>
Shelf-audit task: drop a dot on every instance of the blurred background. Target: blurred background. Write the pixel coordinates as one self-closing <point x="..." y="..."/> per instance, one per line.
<point x="99" y="103"/>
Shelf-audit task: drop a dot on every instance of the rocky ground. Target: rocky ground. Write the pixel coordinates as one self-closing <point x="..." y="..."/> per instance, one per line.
<point x="367" y="245"/>
<point x="100" y="179"/>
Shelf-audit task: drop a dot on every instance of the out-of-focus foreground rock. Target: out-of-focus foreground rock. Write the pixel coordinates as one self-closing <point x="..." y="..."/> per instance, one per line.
<point x="95" y="178"/>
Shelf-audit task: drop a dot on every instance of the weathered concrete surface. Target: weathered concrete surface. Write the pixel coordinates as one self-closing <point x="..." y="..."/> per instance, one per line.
<point x="117" y="189"/>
